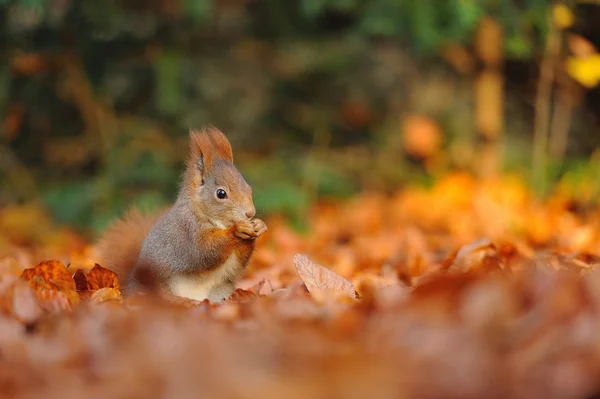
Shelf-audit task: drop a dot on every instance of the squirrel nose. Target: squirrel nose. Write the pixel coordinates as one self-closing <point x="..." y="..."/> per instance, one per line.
<point x="250" y="212"/>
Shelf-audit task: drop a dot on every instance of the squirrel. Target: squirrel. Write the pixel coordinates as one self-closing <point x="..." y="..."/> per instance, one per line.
<point x="200" y="245"/>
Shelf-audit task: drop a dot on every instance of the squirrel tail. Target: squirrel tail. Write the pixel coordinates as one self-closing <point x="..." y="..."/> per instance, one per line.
<point x="119" y="247"/>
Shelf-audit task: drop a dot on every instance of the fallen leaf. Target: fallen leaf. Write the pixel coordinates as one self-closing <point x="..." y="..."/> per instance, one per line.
<point x="80" y="279"/>
<point x="473" y="257"/>
<point x="241" y="296"/>
<point x="100" y="277"/>
<point x="49" y="274"/>
<point x="256" y="288"/>
<point x="321" y="281"/>
<point x="106" y="294"/>
<point x="52" y="276"/>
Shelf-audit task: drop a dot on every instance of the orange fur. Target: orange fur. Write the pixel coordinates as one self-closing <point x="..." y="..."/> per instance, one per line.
<point x="243" y="249"/>
<point x="221" y="146"/>
<point x="182" y="268"/>
<point x="120" y="246"/>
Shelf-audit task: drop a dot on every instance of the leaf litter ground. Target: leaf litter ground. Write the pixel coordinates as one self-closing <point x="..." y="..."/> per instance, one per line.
<point x="466" y="290"/>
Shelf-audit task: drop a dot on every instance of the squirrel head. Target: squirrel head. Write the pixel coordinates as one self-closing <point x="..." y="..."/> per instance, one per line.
<point x="218" y="192"/>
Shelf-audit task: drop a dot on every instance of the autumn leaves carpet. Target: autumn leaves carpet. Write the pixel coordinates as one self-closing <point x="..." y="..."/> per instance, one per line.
<point x="465" y="290"/>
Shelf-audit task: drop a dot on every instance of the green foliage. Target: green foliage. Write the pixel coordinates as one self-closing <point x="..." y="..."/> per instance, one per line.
<point x="428" y="24"/>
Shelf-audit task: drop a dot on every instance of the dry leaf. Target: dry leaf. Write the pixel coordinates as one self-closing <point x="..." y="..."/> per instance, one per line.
<point x="472" y="257"/>
<point x="100" y="277"/>
<point x="256" y="288"/>
<point x="106" y="294"/>
<point x="241" y="296"/>
<point x="321" y="281"/>
<point x="50" y="274"/>
<point x="80" y="279"/>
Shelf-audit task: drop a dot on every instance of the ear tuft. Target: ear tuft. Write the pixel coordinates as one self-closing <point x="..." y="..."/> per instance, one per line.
<point x="221" y="146"/>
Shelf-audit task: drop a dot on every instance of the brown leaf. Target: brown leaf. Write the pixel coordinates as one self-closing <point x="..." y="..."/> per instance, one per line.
<point x="240" y="296"/>
<point x="106" y="294"/>
<point x="100" y="277"/>
<point x="321" y="281"/>
<point x="51" y="274"/>
<point x="81" y="282"/>
<point x="168" y="298"/>
<point x="475" y="256"/>
<point x="256" y="288"/>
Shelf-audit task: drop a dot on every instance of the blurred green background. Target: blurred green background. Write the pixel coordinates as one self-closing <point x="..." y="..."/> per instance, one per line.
<point x="320" y="98"/>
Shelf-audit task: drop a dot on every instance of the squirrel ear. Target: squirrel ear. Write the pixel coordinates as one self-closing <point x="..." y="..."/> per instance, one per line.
<point x="221" y="146"/>
<point x="200" y="152"/>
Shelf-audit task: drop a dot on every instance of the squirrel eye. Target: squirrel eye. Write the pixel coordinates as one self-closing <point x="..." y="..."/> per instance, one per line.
<point x="221" y="194"/>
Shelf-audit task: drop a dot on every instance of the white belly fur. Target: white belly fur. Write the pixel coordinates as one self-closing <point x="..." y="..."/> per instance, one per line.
<point x="198" y="287"/>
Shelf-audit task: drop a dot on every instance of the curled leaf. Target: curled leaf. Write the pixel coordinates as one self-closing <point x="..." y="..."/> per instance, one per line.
<point x="106" y="294"/>
<point x="321" y="281"/>
<point x="240" y="295"/>
<point x="475" y="256"/>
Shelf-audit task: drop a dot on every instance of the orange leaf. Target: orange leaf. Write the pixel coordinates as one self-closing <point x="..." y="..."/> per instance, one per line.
<point x="106" y="294"/>
<point x="49" y="274"/>
<point x="473" y="257"/>
<point x="100" y="277"/>
<point x="321" y="281"/>
<point x="240" y="295"/>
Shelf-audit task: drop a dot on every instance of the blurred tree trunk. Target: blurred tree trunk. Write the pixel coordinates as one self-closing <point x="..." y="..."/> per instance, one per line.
<point x="489" y="96"/>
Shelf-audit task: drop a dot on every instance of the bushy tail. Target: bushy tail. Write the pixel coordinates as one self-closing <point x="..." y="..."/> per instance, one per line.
<point x="119" y="247"/>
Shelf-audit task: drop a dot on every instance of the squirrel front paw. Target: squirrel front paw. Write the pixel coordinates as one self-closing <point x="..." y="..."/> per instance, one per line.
<point x="244" y="229"/>
<point x="259" y="227"/>
<point x="249" y="229"/>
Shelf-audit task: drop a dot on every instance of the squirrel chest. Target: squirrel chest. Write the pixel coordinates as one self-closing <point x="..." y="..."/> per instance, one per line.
<point x="198" y="287"/>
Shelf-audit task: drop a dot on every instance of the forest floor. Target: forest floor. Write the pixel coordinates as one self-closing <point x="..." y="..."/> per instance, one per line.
<point x="468" y="289"/>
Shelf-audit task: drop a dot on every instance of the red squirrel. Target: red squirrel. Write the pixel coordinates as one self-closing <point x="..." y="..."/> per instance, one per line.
<point x="202" y="243"/>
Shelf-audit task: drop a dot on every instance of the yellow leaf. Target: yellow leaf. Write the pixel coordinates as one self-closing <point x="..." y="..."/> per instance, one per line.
<point x="563" y="17"/>
<point x="585" y="70"/>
